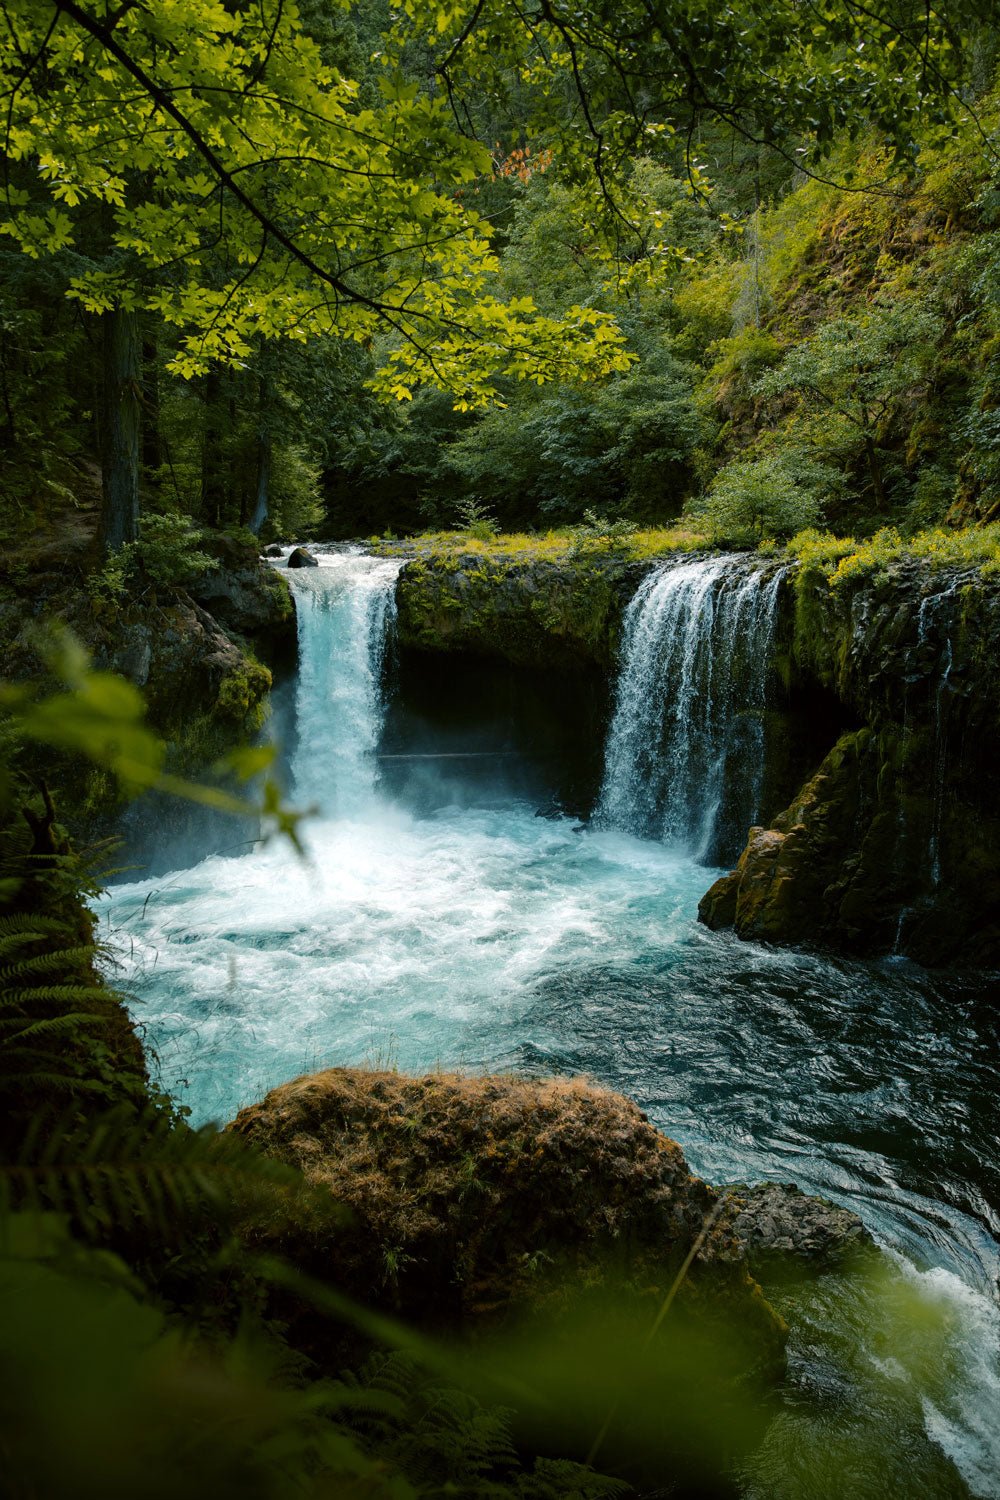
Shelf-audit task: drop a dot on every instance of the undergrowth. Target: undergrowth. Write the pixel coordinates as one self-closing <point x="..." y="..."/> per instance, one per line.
<point x="845" y="558"/>
<point x="596" y="537"/>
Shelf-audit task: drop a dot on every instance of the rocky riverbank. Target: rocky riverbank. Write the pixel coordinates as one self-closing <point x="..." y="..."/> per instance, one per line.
<point x="204" y="655"/>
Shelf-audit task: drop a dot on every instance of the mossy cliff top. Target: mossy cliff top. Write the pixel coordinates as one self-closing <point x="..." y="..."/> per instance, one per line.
<point x="902" y="631"/>
<point x="553" y="600"/>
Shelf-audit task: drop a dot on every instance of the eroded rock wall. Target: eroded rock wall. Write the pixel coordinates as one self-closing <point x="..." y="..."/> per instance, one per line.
<point x="529" y="611"/>
<point x="893" y="844"/>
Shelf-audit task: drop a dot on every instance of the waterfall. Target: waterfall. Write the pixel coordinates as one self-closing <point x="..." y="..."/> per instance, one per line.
<point x="684" y="759"/>
<point x="936" y="628"/>
<point x="345" y="609"/>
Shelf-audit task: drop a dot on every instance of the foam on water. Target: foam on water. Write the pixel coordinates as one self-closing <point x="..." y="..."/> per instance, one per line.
<point x="484" y="936"/>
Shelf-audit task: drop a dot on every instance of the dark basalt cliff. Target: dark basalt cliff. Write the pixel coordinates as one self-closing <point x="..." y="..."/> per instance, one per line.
<point x="893" y="843"/>
<point x="203" y="657"/>
<point x="537" y="612"/>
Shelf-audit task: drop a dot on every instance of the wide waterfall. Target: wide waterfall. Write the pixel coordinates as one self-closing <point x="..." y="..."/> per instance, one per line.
<point x="468" y="932"/>
<point x="685" y="752"/>
<point x="345" y="609"/>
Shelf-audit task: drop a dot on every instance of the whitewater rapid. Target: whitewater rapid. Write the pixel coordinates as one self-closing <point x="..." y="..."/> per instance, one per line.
<point x="469" y="932"/>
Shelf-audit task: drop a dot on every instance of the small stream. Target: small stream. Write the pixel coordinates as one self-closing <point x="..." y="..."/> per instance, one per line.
<point x="447" y="924"/>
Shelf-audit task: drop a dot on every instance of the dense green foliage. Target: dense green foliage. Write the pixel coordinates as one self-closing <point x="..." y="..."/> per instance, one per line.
<point x="576" y="270"/>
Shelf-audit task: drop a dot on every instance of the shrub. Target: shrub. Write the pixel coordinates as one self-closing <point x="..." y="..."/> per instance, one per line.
<point x="168" y="552"/>
<point x="773" y="496"/>
<point x="476" y="519"/>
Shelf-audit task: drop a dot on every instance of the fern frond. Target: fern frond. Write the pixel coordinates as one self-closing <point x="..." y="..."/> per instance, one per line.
<point x="143" y="1172"/>
<point x="56" y="960"/>
<point x="39" y="1081"/>
<point x="19" y="928"/>
<point x="52" y="1025"/>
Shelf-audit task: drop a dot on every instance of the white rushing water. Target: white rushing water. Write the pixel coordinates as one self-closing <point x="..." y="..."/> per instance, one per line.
<point x="345" y="608"/>
<point x="688" y="730"/>
<point x="473" y="933"/>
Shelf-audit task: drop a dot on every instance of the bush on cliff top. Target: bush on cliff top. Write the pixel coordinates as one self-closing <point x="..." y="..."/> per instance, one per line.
<point x="844" y="558"/>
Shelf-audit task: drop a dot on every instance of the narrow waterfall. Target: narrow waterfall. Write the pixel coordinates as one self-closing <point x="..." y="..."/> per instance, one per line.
<point x="934" y="660"/>
<point x="684" y="760"/>
<point x="346" y="608"/>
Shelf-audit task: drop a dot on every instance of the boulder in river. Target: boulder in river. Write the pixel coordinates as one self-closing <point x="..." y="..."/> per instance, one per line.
<point x="472" y="1198"/>
<point x="777" y="1224"/>
<point x="300" y="558"/>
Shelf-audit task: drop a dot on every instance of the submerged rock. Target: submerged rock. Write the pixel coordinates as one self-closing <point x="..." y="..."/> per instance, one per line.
<point x="470" y="1198"/>
<point x="778" y="1225"/>
<point x="300" y="558"/>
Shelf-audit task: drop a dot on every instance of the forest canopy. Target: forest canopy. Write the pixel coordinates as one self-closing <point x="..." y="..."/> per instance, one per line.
<point x="347" y="267"/>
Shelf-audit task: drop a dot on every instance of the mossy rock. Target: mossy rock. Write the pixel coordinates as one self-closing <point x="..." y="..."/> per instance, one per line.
<point x="537" y="613"/>
<point x="474" y="1200"/>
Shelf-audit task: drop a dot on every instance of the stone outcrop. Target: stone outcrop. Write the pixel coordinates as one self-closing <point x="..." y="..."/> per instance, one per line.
<point x="195" y="653"/>
<point x="780" y="1228"/>
<point x="299" y="557"/>
<point x="465" y="1197"/>
<point x="252" y="603"/>
<point x="531" y="611"/>
<point x="893" y="843"/>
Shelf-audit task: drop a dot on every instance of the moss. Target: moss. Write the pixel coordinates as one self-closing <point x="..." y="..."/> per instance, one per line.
<point x="242" y="694"/>
<point x="530" y="611"/>
<point x="552" y="546"/>
<point x="468" y="1184"/>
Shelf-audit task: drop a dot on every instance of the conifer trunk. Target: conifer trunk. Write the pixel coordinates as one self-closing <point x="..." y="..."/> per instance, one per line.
<point x="264" y="458"/>
<point x="875" y="471"/>
<point x="120" y="436"/>
<point x="152" y="456"/>
<point x="211" y="451"/>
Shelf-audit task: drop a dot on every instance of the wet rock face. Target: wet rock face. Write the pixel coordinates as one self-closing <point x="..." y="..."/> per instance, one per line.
<point x="465" y="1195"/>
<point x="893" y="844"/>
<point x="779" y="1227"/>
<point x="300" y="558"/>
<point x="533" y="612"/>
<point x="251" y="601"/>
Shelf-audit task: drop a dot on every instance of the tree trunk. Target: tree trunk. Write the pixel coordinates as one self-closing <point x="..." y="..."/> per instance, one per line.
<point x="265" y="450"/>
<point x="211" y="451"/>
<point x="875" y="470"/>
<point x="152" y="457"/>
<point x="120" y="436"/>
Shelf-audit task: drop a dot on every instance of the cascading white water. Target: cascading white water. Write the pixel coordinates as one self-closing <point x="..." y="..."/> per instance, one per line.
<point x="480" y="935"/>
<point x="345" y="611"/>
<point x="687" y="731"/>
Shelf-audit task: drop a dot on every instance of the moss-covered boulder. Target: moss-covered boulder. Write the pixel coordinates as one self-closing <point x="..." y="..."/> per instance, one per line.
<point x="250" y="600"/>
<point x="466" y="1196"/>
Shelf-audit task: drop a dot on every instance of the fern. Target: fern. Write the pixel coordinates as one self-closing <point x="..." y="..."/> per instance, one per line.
<point x="446" y="1443"/>
<point x="54" y="1015"/>
<point x="143" y="1171"/>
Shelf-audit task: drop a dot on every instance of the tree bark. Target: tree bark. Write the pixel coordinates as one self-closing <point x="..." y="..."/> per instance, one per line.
<point x="211" y="451"/>
<point x="875" y="470"/>
<point x="120" y="437"/>
<point x="265" y="449"/>
<point x="152" y="456"/>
